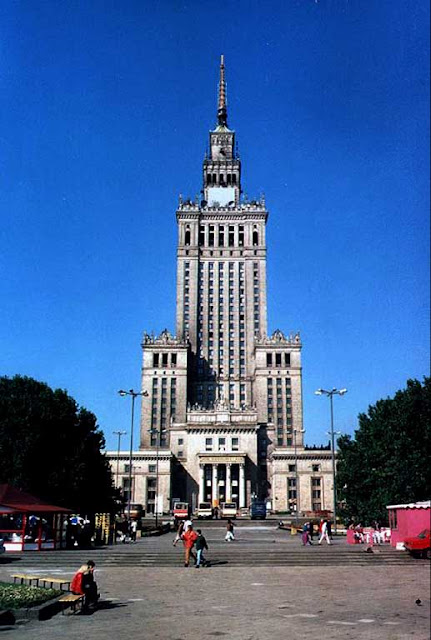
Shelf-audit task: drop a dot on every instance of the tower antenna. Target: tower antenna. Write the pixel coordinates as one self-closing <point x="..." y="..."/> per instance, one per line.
<point x="222" y="102"/>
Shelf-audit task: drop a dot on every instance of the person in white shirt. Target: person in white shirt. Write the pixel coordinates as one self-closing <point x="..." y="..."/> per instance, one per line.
<point x="324" y="533"/>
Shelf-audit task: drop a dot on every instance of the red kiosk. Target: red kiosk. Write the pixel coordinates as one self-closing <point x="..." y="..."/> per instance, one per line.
<point x="28" y="523"/>
<point x="407" y="520"/>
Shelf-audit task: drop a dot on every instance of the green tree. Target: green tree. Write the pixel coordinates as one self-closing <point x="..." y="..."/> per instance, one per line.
<point x="386" y="462"/>
<point x="51" y="447"/>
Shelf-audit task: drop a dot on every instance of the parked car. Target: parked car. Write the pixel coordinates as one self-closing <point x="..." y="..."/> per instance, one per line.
<point x="419" y="545"/>
<point x="228" y="510"/>
<point x="204" y="510"/>
<point x="258" y="510"/>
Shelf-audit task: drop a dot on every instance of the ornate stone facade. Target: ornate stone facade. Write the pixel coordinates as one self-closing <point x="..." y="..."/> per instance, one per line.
<point x="224" y="401"/>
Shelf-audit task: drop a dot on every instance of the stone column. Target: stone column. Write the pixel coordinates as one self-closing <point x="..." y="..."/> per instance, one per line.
<point x="241" y="486"/>
<point x="214" y="485"/>
<point x="228" y="483"/>
<point x="201" y="483"/>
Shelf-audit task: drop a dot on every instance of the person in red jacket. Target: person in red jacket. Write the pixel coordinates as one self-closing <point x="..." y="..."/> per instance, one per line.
<point x="189" y="539"/>
<point x="83" y="584"/>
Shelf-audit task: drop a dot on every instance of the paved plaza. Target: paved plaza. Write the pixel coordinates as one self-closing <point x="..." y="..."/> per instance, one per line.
<point x="361" y="596"/>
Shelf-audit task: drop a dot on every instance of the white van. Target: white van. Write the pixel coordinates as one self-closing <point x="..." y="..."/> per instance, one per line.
<point x="204" y="510"/>
<point x="228" y="510"/>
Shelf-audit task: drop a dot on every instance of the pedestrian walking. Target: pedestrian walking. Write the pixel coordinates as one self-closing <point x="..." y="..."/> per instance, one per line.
<point x="305" y="536"/>
<point x="201" y="545"/>
<point x="324" y="532"/>
<point x="187" y="523"/>
<point x="229" y="531"/>
<point x="189" y="539"/>
<point x="133" y="530"/>
<point x="179" y="533"/>
<point x="329" y="523"/>
<point x="311" y="529"/>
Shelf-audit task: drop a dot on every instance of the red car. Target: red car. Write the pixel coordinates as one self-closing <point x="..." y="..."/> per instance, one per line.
<point x="419" y="545"/>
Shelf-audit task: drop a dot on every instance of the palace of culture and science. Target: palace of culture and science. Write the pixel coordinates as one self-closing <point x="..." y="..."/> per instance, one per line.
<point x="222" y="416"/>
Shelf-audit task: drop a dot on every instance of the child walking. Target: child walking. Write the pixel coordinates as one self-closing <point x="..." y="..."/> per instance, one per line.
<point x="201" y="544"/>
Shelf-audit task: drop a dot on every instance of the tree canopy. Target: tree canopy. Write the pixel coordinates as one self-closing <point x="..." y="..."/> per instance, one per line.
<point x="52" y="448"/>
<point x="387" y="461"/>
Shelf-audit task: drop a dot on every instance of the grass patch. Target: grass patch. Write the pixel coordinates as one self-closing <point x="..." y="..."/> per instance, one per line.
<point x="20" y="596"/>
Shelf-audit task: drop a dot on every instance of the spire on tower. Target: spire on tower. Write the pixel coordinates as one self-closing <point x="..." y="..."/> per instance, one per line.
<point x="222" y="102"/>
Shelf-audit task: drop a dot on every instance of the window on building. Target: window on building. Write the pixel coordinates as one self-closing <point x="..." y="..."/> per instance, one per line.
<point x="235" y="444"/>
<point x="201" y="235"/>
<point x="255" y="237"/>
<point x="164" y="359"/>
<point x="152" y="468"/>
<point x="278" y="359"/>
<point x="180" y="442"/>
<point x="291" y="493"/>
<point x="155" y="359"/>
<point x="315" y="482"/>
<point x="221" y="238"/>
<point x="292" y="468"/>
<point x="174" y="359"/>
<point x="269" y="359"/>
<point x="208" y="444"/>
<point x="315" y="468"/>
<point x="211" y="236"/>
<point x="231" y="238"/>
<point x="287" y="359"/>
<point x="222" y="444"/>
<point x="241" y="236"/>
<point x="187" y="236"/>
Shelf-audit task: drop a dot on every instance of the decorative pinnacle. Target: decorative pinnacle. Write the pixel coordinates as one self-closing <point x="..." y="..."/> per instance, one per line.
<point x="222" y="102"/>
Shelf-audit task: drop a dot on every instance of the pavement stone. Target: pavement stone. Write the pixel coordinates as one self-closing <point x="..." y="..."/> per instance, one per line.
<point x="246" y="602"/>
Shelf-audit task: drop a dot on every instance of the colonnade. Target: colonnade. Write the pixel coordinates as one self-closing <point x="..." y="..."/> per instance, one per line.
<point x="215" y="483"/>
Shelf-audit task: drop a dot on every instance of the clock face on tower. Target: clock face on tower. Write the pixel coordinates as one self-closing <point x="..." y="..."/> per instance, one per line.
<point x="221" y="146"/>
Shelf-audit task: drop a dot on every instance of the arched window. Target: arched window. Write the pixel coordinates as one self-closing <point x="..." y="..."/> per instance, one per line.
<point x="187" y="236"/>
<point x="255" y="237"/>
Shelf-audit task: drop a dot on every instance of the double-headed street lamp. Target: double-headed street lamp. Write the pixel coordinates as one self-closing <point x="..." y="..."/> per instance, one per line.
<point x="295" y="431"/>
<point x="119" y="434"/>
<point x="331" y="394"/>
<point x="158" y="435"/>
<point x="133" y="395"/>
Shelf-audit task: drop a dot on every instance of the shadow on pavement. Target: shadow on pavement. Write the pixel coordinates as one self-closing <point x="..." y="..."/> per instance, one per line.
<point x="9" y="560"/>
<point x="108" y="604"/>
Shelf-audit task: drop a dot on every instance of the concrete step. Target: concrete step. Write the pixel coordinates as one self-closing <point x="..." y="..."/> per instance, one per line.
<point x="231" y="556"/>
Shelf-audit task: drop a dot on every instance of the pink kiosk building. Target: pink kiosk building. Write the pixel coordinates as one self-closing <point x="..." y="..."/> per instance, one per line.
<point x="407" y="520"/>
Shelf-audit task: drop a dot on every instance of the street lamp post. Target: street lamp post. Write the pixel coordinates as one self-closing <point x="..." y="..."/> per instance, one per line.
<point x="331" y="394"/>
<point x="295" y="431"/>
<point x="133" y="395"/>
<point x="119" y="434"/>
<point x="158" y="438"/>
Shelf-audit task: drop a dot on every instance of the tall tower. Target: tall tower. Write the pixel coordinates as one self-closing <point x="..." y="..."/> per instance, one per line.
<point x="223" y="395"/>
<point x="221" y="274"/>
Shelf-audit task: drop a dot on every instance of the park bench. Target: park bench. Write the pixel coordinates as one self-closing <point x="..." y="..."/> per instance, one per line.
<point x="72" y="600"/>
<point x="55" y="581"/>
<point x="24" y="577"/>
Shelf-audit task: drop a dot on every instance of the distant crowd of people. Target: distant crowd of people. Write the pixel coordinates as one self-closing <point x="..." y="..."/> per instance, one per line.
<point x="325" y="532"/>
<point x="376" y="534"/>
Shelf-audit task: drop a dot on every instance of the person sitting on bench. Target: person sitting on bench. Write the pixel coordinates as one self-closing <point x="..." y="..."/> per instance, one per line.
<point x="83" y="583"/>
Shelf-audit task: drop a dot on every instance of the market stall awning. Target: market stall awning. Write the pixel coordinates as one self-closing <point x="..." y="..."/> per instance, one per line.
<point x="13" y="500"/>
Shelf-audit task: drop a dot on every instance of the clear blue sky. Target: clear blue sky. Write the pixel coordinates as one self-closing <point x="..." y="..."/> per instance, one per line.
<point x="106" y="107"/>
